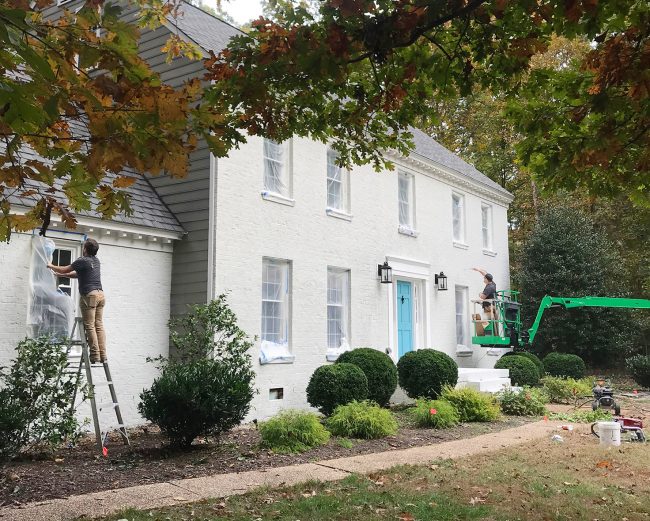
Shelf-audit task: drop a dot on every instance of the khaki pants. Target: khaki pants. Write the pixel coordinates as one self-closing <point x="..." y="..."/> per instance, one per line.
<point x="92" y="313"/>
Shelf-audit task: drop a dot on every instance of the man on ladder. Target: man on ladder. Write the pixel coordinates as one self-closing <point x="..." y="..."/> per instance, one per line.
<point x="87" y="269"/>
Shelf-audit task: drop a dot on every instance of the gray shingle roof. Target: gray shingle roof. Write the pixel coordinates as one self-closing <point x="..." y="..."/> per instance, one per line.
<point x="429" y="148"/>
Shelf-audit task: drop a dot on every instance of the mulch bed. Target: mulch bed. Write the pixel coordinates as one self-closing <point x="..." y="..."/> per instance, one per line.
<point x="80" y="470"/>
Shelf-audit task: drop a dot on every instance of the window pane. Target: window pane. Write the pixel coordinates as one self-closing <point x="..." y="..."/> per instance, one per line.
<point x="461" y="317"/>
<point x="457" y="215"/>
<point x="275" y="301"/>
<point x="274" y="167"/>
<point x="405" y="200"/>
<point x="338" y="307"/>
<point x="337" y="179"/>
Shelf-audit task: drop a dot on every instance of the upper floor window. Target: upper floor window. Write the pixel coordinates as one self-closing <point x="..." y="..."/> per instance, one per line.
<point x="406" y="191"/>
<point x="277" y="167"/>
<point x="458" y="217"/>
<point x="486" y="226"/>
<point x="338" y="181"/>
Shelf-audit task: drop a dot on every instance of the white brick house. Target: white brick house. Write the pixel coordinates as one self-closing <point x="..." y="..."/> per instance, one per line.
<point x="296" y="242"/>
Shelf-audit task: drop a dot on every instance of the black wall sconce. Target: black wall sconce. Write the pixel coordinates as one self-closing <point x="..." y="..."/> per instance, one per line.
<point x="385" y="273"/>
<point x="441" y="281"/>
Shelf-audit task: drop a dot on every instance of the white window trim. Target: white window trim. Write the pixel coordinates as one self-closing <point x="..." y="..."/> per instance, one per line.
<point x="338" y="214"/>
<point x="344" y="212"/>
<point x="75" y="249"/>
<point x="459" y="242"/>
<point x="411" y="228"/>
<point x="287" y="178"/>
<point x="282" y="354"/>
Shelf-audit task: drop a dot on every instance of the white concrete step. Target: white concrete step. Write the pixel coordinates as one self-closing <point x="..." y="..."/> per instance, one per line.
<point x="467" y="374"/>
<point x="489" y="386"/>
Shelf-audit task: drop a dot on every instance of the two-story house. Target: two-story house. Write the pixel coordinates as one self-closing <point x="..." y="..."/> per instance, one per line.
<point x="295" y="240"/>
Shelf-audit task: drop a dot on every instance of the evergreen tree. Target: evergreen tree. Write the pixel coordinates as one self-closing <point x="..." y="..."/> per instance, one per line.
<point x="566" y="256"/>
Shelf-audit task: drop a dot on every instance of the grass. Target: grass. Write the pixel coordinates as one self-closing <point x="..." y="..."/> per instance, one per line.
<point x="574" y="480"/>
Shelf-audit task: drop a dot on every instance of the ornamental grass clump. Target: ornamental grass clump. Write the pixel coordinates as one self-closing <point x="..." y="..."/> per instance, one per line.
<point x="472" y="405"/>
<point x="293" y="431"/>
<point x="528" y="401"/>
<point x="438" y="414"/>
<point x="364" y="420"/>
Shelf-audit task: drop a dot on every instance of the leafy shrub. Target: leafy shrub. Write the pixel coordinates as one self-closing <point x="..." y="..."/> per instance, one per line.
<point x="639" y="367"/>
<point x="207" y="387"/>
<point x="472" y="405"/>
<point x="334" y="385"/>
<point x="424" y="373"/>
<point x="525" y="402"/>
<point x="522" y="370"/>
<point x="379" y="370"/>
<point x="439" y="414"/>
<point x="582" y="416"/>
<point x="293" y="431"/>
<point x="566" y="390"/>
<point x="532" y="357"/>
<point x="564" y="364"/>
<point x="36" y="409"/>
<point x="362" y="420"/>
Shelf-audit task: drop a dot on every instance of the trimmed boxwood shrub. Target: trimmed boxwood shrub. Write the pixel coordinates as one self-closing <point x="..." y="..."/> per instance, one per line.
<point x="532" y="357"/>
<point x="379" y="370"/>
<point x="334" y="385"/>
<point x="639" y="367"/>
<point x="424" y="373"/>
<point x="564" y="364"/>
<point x="362" y="420"/>
<point x="522" y="370"/>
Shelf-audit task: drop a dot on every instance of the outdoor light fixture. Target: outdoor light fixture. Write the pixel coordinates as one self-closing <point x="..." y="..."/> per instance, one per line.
<point x="441" y="281"/>
<point x="385" y="273"/>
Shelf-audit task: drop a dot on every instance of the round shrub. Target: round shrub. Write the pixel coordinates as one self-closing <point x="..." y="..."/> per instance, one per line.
<point x="293" y="431"/>
<point x="522" y="370"/>
<point x="334" y="385"/>
<point x="472" y="405"/>
<point x="564" y="364"/>
<point x="424" y="373"/>
<point x="379" y="370"/>
<point x="639" y="367"/>
<point x="202" y="397"/>
<point x="532" y="357"/>
<point x="439" y="414"/>
<point x="525" y="402"/>
<point x="362" y="420"/>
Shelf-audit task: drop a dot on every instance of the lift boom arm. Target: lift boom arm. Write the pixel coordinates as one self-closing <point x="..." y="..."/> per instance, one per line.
<point x="584" y="302"/>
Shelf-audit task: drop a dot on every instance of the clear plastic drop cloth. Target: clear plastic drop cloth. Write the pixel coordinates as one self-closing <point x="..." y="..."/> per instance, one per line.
<point x="51" y="312"/>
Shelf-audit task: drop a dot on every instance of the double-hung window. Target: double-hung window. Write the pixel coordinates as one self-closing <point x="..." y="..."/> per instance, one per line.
<point x="276" y="310"/>
<point x="486" y="226"/>
<point x="338" y="182"/>
<point x="63" y="257"/>
<point x="406" y="192"/>
<point x="458" y="217"/>
<point x="338" y="310"/>
<point x="277" y="168"/>
<point x="462" y="332"/>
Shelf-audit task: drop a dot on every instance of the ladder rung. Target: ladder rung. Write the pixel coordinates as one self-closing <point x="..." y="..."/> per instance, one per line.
<point x="103" y="383"/>
<point x="110" y="405"/>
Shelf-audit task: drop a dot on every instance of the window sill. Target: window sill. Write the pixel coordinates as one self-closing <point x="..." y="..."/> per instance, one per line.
<point x="407" y="230"/>
<point x="285" y="360"/>
<point x="333" y="212"/>
<point x="277" y="198"/>
<point x="490" y="253"/>
<point x="461" y="245"/>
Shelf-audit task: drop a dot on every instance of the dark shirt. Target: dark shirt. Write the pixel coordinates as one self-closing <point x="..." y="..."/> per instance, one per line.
<point x="89" y="274"/>
<point x="490" y="292"/>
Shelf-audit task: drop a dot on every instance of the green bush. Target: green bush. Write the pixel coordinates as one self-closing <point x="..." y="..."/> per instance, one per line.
<point x="566" y="390"/>
<point x="639" y="367"/>
<point x="582" y="416"/>
<point x="522" y="370"/>
<point x="207" y="387"/>
<point x="528" y="401"/>
<point x="362" y="420"/>
<point x="293" y="431"/>
<point x="532" y="357"/>
<point x="472" y="405"/>
<point x="424" y="373"/>
<point x="439" y="414"/>
<point x="36" y="409"/>
<point x="564" y="364"/>
<point x="379" y="370"/>
<point x="334" y="385"/>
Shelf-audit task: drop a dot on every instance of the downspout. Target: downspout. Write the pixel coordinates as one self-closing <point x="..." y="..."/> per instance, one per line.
<point x="212" y="228"/>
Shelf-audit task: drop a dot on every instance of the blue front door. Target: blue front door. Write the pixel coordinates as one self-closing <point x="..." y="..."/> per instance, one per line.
<point x="404" y="317"/>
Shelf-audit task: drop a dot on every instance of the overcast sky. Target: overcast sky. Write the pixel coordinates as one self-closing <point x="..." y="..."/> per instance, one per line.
<point x="242" y="10"/>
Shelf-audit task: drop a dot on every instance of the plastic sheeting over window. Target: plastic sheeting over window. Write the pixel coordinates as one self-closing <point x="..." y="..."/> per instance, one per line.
<point x="405" y="202"/>
<point x="275" y="312"/>
<point x="338" y="312"/>
<point x="457" y="215"/>
<point x="276" y="157"/>
<point x="51" y="311"/>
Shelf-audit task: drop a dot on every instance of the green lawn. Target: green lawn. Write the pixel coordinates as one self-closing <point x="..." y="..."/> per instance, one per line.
<point x="574" y="480"/>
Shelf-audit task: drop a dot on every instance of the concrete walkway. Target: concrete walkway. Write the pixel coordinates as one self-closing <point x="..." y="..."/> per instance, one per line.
<point x="222" y="485"/>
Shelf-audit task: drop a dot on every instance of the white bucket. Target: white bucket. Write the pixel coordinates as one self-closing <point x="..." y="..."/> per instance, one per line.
<point x="610" y="433"/>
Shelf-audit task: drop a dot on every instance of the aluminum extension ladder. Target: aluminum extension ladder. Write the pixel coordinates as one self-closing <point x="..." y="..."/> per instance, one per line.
<point x="84" y="364"/>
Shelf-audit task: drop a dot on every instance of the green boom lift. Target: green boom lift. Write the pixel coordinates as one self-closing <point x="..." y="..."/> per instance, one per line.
<point x="505" y="330"/>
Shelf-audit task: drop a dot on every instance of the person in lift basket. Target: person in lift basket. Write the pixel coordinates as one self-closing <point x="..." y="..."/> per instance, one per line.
<point x="87" y="269"/>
